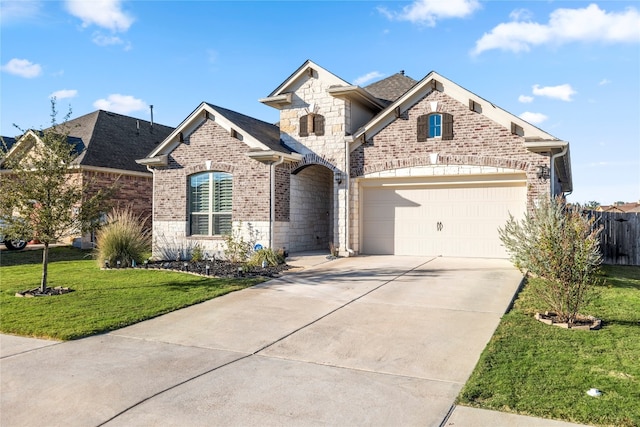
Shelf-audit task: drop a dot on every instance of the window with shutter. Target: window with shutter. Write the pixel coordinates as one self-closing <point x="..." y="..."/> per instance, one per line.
<point x="435" y="125"/>
<point x="447" y="126"/>
<point x="311" y="124"/>
<point x="210" y="203"/>
<point x="318" y="124"/>
<point x="422" y="128"/>
<point x="303" y="126"/>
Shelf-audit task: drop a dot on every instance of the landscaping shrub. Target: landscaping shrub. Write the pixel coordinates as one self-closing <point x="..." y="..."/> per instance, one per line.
<point x="561" y="245"/>
<point x="237" y="247"/>
<point x="268" y="256"/>
<point x="123" y="238"/>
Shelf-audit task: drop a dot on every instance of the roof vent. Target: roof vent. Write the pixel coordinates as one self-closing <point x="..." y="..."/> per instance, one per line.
<point x="151" y="108"/>
<point x="402" y="72"/>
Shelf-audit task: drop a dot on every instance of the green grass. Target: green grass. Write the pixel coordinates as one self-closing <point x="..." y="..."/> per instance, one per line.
<point x="535" y="369"/>
<point x="101" y="301"/>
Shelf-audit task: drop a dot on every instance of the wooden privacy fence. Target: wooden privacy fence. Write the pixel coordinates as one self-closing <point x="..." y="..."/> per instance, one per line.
<point x="620" y="237"/>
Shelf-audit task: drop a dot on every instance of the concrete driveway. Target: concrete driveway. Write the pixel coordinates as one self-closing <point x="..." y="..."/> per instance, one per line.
<point x="358" y="341"/>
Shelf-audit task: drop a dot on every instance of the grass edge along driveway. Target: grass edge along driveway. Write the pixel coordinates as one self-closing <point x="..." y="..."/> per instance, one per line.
<point x="101" y="301"/>
<point x="534" y="369"/>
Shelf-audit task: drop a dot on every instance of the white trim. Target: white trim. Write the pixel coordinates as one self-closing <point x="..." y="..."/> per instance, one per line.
<point x="434" y="81"/>
<point x="194" y="120"/>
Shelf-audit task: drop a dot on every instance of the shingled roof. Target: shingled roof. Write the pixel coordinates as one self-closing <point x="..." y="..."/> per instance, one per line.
<point x="113" y="140"/>
<point x="392" y="87"/>
<point x="266" y="133"/>
<point x="8" y="143"/>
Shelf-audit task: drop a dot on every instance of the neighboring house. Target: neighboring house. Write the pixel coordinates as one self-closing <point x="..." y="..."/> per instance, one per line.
<point x="620" y="208"/>
<point x="400" y="167"/>
<point x="108" y="145"/>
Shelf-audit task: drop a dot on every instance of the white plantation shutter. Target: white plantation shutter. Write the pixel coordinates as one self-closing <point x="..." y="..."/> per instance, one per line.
<point x="222" y="197"/>
<point x="210" y="203"/>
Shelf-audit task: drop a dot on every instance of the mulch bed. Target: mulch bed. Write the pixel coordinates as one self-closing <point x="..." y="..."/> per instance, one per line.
<point x="47" y="293"/>
<point x="217" y="268"/>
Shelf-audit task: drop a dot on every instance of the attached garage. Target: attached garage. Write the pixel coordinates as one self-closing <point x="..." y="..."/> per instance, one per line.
<point x="439" y="216"/>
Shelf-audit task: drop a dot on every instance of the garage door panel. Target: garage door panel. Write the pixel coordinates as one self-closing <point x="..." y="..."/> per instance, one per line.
<point x="405" y="220"/>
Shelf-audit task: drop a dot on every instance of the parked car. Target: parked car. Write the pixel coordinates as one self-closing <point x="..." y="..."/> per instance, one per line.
<point x="11" y="242"/>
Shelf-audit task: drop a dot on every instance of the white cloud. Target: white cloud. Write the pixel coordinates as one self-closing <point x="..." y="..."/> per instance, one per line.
<point x="367" y="78"/>
<point x="17" y="11"/>
<point x="562" y="92"/>
<point x="589" y="24"/>
<point x="525" y="99"/>
<point x="123" y="104"/>
<point x="604" y="82"/>
<point x="521" y="15"/>
<point x="103" y="13"/>
<point x="23" y="68"/>
<point x="104" y="40"/>
<point x="427" y="12"/>
<point x="533" y="118"/>
<point x="64" y="93"/>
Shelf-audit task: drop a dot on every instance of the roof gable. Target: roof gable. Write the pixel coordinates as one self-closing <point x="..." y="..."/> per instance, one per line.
<point x="434" y="81"/>
<point x="106" y="140"/>
<point x="306" y="70"/>
<point x="256" y="134"/>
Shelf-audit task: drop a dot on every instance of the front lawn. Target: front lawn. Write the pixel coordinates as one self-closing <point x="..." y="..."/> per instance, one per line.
<point x="535" y="369"/>
<point x="101" y="301"/>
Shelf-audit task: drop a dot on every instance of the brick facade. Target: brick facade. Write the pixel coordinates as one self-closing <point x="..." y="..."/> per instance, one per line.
<point x="313" y="207"/>
<point x="477" y="141"/>
<point x="210" y="142"/>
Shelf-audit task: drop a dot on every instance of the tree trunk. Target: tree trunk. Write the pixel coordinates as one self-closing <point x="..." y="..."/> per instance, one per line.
<point x="45" y="266"/>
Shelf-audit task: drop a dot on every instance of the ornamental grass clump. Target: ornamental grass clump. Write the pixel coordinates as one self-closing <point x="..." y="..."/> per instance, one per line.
<point x="123" y="238"/>
<point x="561" y="245"/>
<point x="266" y="257"/>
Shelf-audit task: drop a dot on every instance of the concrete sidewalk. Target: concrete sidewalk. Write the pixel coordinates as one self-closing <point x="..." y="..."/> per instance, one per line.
<point x="358" y="341"/>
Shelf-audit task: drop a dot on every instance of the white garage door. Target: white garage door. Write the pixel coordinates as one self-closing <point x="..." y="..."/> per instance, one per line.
<point x="448" y="218"/>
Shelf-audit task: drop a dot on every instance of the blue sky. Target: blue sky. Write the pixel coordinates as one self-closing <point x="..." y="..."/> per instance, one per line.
<point x="570" y="67"/>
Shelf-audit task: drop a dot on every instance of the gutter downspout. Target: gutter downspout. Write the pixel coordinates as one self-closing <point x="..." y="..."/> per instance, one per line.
<point x="347" y="224"/>
<point x="272" y="199"/>
<point x="553" y="169"/>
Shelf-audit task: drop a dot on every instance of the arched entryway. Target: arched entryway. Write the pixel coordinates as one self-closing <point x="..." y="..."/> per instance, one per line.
<point x="312" y="209"/>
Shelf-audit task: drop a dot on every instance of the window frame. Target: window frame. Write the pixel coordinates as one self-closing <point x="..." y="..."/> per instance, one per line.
<point x="218" y="212"/>
<point x="424" y="128"/>
<point x="311" y="124"/>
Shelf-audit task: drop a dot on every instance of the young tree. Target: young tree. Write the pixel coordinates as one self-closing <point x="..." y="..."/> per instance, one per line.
<point x="42" y="195"/>
<point x="560" y="245"/>
<point x="592" y="205"/>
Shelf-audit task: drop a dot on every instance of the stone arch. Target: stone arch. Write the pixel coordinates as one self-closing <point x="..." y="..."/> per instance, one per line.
<point x="446" y="159"/>
<point x="202" y="167"/>
<point x="310" y="160"/>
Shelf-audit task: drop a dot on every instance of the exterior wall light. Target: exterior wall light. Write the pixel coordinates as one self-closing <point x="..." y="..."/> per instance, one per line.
<point x="542" y="172"/>
<point x="338" y="177"/>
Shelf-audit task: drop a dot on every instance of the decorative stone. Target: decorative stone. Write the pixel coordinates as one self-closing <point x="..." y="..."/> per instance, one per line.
<point x="584" y="323"/>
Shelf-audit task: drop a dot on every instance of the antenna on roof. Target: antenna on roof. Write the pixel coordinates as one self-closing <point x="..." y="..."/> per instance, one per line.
<point x="402" y="72"/>
<point x="151" y="108"/>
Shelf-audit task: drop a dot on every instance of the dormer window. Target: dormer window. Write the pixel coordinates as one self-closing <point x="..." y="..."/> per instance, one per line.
<point x="312" y="124"/>
<point x="435" y="125"/>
